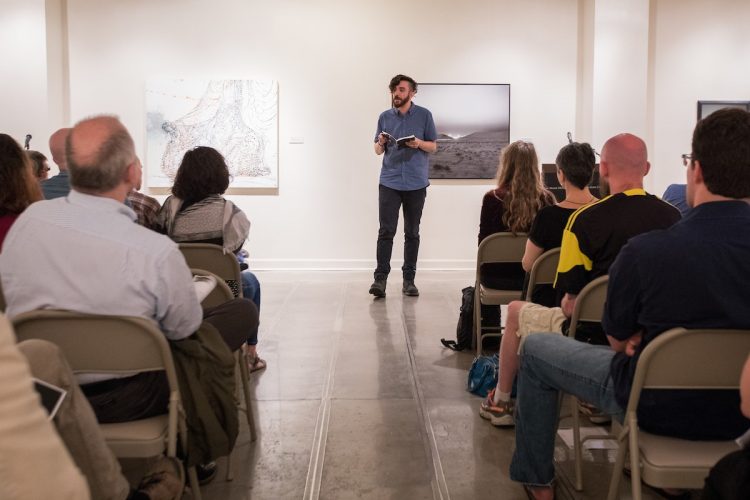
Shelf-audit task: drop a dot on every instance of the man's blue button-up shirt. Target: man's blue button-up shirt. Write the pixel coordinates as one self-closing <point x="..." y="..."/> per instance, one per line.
<point x="405" y="168"/>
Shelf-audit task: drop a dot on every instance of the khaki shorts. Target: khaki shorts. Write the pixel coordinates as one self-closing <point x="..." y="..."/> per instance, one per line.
<point x="533" y="318"/>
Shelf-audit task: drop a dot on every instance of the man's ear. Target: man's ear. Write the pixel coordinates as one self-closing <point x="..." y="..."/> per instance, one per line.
<point x="603" y="169"/>
<point x="133" y="174"/>
<point x="696" y="171"/>
<point x="648" y="169"/>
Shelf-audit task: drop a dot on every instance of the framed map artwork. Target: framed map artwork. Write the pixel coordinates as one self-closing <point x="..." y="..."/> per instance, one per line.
<point x="239" y="118"/>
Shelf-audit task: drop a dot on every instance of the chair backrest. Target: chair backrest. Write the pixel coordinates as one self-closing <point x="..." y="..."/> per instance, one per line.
<point x="221" y="292"/>
<point x="691" y="359"/>
<point x="500" y="247"/>
<point x="101" y="344"/>
<point x="213" y="258"/>
<point x="543" y="271"/>
<point x="589" y="304"/>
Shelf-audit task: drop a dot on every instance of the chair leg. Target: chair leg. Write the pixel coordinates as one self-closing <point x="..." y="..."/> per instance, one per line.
<point x="614" y="484"/>
<point x="635" y="458"/>
<point x="478" y="319"/>
<point x="577" y="444"/>
<point x="230" y="472"/>
<point x="195" y="487"/>
<point x="248" y="409"/>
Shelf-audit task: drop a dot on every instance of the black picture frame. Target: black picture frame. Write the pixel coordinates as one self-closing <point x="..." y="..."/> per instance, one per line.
<point x="473" y="125"/>
<point x="705" y="108"/>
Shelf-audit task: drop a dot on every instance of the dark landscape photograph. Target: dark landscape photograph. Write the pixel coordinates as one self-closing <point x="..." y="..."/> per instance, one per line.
<point x="473" y="125"/>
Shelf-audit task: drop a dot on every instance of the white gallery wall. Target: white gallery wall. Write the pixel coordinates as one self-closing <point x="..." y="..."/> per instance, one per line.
<point x="23" y="72"/>
<point x="333" y="60"/>
<point x="701" y="52"/>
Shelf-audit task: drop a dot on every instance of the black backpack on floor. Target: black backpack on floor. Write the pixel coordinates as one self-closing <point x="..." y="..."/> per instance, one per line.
<point x="465" y="327"/>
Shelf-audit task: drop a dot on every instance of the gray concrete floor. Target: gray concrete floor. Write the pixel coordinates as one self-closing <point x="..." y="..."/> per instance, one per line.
<point x="360" y="400"/>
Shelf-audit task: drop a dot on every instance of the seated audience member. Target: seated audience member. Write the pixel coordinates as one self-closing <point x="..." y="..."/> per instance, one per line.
<point x="84" y="253"/>
<point x="693" y="275"/>
<point x="729" y="479"/>
<point x="511" y="207"/>
<point x="575" y="167"/>
<point x="59" y="185"/>
<point x="145" y="207"/>
<point x="39" y="165"/>
<point x="35" y="456"/>
<point x="19" y="188"/>
<point x="196" y="212"/>
<point x="675" y="195"/>
<point x="591" y="240"/>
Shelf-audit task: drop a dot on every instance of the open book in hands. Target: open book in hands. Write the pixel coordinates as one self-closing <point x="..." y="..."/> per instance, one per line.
<point x="401" y="141"/>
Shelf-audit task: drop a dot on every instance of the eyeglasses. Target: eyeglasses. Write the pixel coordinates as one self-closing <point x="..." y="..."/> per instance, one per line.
<point x="687" y="159"/>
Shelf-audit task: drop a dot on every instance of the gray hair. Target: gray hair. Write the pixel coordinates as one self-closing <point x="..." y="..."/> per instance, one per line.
<point x="104" y="167"/>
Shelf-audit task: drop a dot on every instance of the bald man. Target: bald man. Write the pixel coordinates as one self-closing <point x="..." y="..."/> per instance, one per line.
<point x="592" y="239"/>
<point x="59" y="185"/>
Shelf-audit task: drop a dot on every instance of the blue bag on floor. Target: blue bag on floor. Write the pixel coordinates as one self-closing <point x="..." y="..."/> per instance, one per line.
<point x="483" y="376"/>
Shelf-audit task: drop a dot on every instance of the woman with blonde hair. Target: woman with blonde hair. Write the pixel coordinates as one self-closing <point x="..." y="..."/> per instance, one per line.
<point x="19" y="187"/>
<point x="512" y="207"/>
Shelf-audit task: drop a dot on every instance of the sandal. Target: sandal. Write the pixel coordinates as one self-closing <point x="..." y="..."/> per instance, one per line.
<point x="255" y="364"/>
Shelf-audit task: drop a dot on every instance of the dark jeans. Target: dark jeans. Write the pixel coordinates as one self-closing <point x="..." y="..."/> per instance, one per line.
<point x="147" y="394"/>
<point x="390" y="201"/>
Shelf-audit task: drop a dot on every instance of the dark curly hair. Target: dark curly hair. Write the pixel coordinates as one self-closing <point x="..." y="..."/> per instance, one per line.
<point x="402" y="78"/>
<point x="19" y="187"/>
<point x="203" y="172"/>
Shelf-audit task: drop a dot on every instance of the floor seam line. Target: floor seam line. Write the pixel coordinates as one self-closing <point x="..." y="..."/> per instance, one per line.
<point x="317" y="453"/>
<point x="440" y="485"/>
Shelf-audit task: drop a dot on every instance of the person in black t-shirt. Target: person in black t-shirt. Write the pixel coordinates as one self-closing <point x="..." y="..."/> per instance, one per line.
<point x="592" y="238"/>
<point x="575" y="167"/>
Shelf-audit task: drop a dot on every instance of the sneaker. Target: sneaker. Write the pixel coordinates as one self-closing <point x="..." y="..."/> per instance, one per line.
<point x="594" y="414"/>
<point x="165" y="480"/>
<point x="410" y="289"/>
<point x="378" y="288"/>
<point x="205" y="472"/>
<point x="499" y="415"/>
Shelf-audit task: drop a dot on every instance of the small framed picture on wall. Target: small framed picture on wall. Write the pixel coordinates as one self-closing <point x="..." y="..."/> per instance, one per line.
<point x="705" y="108"/>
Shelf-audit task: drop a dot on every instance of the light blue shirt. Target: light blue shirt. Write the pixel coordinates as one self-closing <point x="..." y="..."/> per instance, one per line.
<point x="405" y="168"/>
<point x="86" y="253"/>
<point x="675" y="194"/>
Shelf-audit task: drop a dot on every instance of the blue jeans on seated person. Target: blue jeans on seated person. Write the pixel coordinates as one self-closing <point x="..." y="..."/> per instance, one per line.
<point x="549" y="363"/>
<point x="251" y="291"/>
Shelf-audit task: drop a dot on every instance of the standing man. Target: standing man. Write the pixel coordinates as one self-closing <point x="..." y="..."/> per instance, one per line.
<point x="403" y="179"/>
<point x="59" y="185"/>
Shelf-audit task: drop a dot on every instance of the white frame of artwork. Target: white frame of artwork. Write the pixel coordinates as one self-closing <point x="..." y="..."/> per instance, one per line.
<point x="237" y="117"/>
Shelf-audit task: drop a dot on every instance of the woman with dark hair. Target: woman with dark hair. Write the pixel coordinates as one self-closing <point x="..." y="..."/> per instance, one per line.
<point x="19" y="188"/>
<point x="196" y="212"/>
<point x="575" y="167"/>
<point x="511" y="207"/>
<point x="39" y="164"/>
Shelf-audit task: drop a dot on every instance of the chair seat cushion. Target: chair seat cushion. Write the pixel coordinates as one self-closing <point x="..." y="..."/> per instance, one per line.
<point x="671" y="462"/>
<point x="139" y="438"/>
<point x="496" y="297"/>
